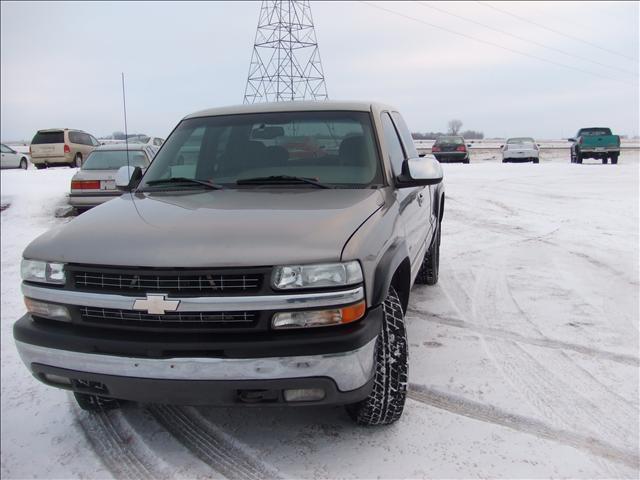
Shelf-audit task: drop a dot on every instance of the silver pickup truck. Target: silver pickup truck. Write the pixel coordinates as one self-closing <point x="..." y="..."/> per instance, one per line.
<point x="265" y="257"/>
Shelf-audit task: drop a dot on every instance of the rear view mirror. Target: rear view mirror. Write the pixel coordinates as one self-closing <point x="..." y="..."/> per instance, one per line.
<point x="267" y="133"/>
<point x="418" y="172"/>
<point x="128" y="178"/>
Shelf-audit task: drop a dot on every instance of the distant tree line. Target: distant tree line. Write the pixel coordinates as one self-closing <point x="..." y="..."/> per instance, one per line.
<point x="467" y="134"/>
<point x="454" y="126"/>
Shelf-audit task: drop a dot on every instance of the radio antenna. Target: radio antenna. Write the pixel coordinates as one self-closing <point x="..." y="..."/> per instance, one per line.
<point x="126" y="132"/>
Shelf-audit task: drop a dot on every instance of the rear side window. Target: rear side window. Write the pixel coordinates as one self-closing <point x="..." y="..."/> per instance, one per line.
<point x="74" y="137"/>
<point x="396" y="154"/>
<point x="405" y="135"/>
<point x="48" y="137"/>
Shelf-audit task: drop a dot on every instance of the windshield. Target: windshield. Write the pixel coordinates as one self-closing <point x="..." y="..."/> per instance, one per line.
<point x="449" y="141"/>
<point x="335" y="148"/>
<point x="114" y="159"/>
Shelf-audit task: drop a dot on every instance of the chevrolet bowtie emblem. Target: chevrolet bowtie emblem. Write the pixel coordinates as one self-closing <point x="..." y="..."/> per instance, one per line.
<point x="156" y="304"/>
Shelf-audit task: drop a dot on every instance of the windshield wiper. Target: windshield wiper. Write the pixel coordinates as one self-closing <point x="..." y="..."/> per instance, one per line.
<point x="280" y="179"/>
<point x="212" y="186"/>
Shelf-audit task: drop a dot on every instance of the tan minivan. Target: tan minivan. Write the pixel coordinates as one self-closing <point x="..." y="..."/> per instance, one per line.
<point x="58" y="146"/>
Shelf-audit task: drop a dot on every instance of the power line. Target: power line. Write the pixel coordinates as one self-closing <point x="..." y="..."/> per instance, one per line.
<point x="534" y="42"/>
<point x="518" y="52"/>
<point x="485" y="4"/>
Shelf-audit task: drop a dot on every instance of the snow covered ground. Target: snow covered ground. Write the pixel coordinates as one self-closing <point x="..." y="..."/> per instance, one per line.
<point x="524" y="358"/>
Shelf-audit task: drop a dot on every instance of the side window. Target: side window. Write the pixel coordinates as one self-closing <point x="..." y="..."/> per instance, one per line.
<point x="396" y="154"/>
<point x="94" y="142"/>
<point x="86" y="139"/>
<point x="74" y="137"/>
<point x="405" y="135"/>
<point x="5" y="149"/>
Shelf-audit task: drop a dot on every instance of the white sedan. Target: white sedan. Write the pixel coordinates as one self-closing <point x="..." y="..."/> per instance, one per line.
<point x="520" y="149"/>
<point x="13" y="159"/>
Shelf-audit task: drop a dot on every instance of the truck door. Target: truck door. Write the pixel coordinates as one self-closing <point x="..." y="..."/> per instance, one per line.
<point x="408" y="198"/>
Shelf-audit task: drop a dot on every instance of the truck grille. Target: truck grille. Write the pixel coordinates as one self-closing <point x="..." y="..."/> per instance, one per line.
<point x="108" y="317"/>
<point x="185" y="282"/>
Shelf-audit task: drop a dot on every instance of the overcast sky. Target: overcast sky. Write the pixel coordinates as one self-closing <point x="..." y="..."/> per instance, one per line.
<point x="61" y="63"/>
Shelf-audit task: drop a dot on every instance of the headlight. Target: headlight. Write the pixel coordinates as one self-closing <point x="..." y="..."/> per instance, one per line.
<point x="43" y="272"/>
<point x="316" y="276"/>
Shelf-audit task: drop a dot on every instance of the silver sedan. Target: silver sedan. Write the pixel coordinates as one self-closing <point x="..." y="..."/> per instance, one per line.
<point x="95" y="181"/>
<point x="520" y="149"/>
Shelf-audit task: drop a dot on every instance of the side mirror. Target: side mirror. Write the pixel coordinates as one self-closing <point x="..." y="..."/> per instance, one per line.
<point x="469" y="145"/>
<point x="418" y="172"/>
<point x="537" y="144"/>
<point x="571" y="139"/>
<point x="128" y="178"/>
<point x="501" y="146"/>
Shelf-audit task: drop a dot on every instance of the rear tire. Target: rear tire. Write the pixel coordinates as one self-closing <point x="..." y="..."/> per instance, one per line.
<point x="604" y="161"/>
<point x="578" y="157"/>
<point x="95" y="403"/>
<point x="23" y="163"/>
<point x="536" y="160"/>
<point x="385" y="403"/>
<point x="77" y="161"/>
<point x="430" y="268"/>
<point x="614" y="159"/>
<point x="40" y="166"/>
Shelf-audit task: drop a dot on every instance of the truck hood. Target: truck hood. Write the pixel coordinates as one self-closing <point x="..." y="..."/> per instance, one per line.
<point x="212" y="228"/>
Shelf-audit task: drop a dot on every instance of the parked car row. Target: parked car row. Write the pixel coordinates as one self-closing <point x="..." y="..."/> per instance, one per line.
<point x="593" y="142"/>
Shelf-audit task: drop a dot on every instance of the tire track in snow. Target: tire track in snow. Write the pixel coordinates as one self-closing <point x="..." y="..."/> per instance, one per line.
<point x="117" y="446"/>
<point x="214" y="447"/>
<point x="517" y="337"/>
<point x="491" y="414"/>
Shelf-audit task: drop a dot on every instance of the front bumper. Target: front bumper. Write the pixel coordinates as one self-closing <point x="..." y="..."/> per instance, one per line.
<point x="86" y="200"/>
<point x="193" y="370"/>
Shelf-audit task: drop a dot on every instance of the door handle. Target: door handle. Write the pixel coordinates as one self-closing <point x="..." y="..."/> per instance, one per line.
<point x="420" y="199"/>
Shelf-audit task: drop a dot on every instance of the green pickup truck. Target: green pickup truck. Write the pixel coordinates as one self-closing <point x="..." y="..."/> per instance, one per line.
<point x="595" y="142"/>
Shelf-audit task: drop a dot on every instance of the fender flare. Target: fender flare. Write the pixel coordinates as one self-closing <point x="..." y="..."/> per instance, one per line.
<point x="386" y="268"/>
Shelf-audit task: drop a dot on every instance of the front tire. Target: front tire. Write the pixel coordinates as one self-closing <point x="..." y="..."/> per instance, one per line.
<point x="95" y="403"/>
<point x="40" y="166"/>
<point x="23" y="163"/>
<point x="385" y="403"/>
<point x="604" y="160"/>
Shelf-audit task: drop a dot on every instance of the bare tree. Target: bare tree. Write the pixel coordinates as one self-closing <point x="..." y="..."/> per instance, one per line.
<point x="454" y="126"/>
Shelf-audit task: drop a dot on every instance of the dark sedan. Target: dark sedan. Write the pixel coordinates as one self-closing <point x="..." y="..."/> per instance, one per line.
<point x="450" y="149"/>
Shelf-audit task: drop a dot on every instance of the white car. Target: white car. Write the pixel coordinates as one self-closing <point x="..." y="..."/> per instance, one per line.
<point x="520" y="149"/>
<point x="146" y="140"/>
<point x="13" y="159"/>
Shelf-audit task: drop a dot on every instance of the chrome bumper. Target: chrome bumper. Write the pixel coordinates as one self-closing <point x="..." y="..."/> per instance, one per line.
<point x="349" y="370"/>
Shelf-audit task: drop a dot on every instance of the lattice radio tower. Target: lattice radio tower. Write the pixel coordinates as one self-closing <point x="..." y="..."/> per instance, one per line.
<point x="285" y="64"/>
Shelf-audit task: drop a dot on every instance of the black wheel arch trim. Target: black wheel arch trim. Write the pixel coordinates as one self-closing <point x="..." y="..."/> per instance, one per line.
<point x="396" y="254"/>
